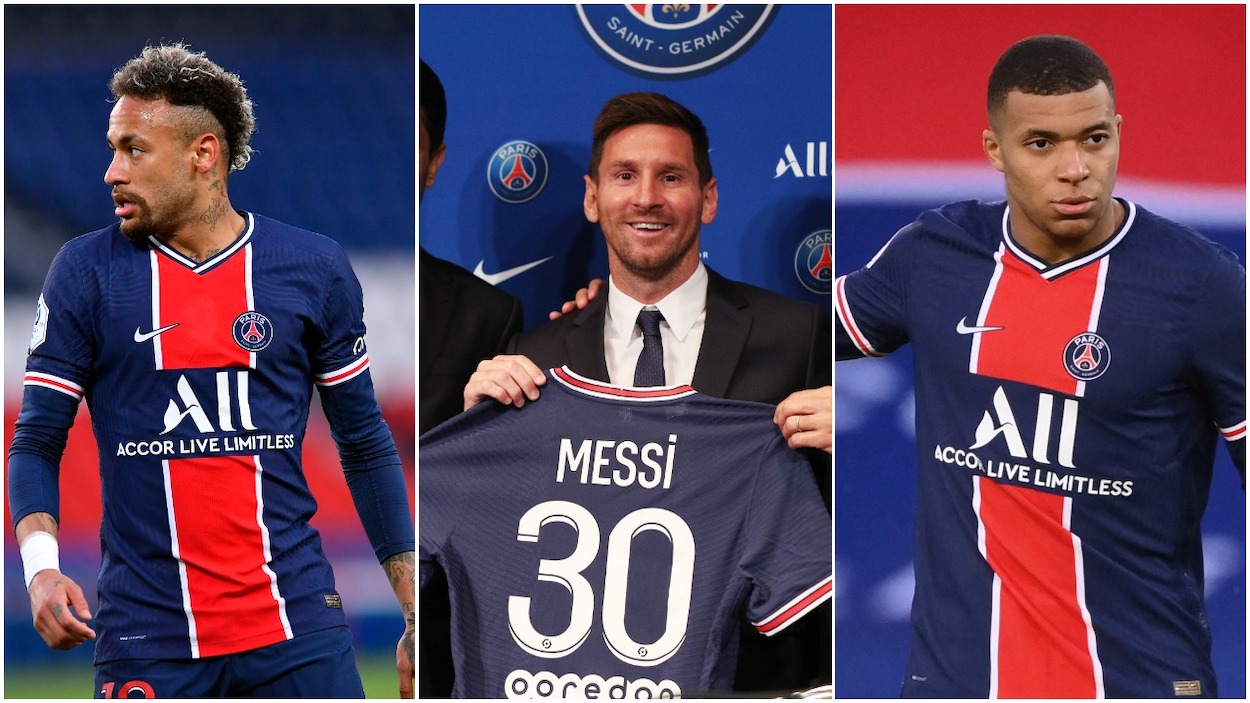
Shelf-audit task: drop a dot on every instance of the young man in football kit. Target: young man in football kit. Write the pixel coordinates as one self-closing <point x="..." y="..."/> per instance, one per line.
<point x="196" y="333"/>
<point x="1077" y="358"/>
<point x="650" y="187"/>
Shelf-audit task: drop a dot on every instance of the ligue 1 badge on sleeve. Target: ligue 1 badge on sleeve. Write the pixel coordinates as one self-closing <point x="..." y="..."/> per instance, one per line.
<point x="40" y="331"/>
<point x="673" y="39"/>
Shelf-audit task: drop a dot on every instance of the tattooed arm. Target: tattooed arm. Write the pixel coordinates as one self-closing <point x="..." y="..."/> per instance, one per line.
<point x="401" y="571"/>
<point x="55" y="599"/>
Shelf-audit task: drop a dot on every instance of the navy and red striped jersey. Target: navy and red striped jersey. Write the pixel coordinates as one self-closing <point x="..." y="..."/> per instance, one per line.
<point x="198" y="377"/>
<point x="1066" y="422"/>
<point x="605" y="541"/>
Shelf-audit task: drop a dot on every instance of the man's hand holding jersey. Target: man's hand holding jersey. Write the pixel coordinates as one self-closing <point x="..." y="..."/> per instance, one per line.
<point x="510" y="379"/>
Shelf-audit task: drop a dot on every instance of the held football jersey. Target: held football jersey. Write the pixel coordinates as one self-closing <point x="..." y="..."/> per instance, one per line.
<point x="198" y="377"/>
<point x="605" y="541"/>
<point x="1066" y="422"/>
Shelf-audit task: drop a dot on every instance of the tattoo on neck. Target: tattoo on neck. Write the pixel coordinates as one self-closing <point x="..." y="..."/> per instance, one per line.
<point x="213" y="214"/>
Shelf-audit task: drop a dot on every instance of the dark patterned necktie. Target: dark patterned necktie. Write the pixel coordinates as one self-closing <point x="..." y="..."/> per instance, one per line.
<point x="650" y="370"/>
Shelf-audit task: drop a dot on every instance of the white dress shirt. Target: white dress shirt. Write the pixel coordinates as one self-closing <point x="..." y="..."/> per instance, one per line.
<point x="681" y="331"/>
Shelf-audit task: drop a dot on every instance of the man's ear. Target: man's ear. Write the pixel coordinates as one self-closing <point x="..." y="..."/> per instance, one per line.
<point x="206" y="152"/>
<point x="436" y="161"/>
<point x="590" y="201"/>
<point x="993" y="149"/>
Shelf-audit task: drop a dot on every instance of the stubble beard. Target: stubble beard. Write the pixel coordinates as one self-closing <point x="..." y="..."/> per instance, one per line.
<point x="654" y="267"/>
<point x="160" y="220"/>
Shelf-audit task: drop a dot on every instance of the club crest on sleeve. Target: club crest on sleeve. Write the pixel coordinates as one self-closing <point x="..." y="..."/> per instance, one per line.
<point x="252" y="331"/>
<point x="1086" y="356"/>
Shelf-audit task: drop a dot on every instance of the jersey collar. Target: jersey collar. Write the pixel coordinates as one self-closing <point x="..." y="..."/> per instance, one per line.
<point x="202" y="266"/>
<point x="1051" y="271"/>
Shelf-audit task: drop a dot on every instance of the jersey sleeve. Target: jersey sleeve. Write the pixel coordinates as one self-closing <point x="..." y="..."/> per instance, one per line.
<point x="366" y="447"/>
<point x="442" y="488"/>
<point x="58" y="366"/>
<point x="1220" y="352"/>
<point x="869" y="303"/>
<point x="788" y="552"/>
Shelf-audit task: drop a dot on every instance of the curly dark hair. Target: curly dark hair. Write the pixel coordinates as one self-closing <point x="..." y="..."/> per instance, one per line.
<point x="189" y="79"/>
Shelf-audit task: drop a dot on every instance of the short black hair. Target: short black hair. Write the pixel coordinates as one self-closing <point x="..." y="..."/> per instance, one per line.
<point x="1050" y="64"/>
<point x="433" y="105"/>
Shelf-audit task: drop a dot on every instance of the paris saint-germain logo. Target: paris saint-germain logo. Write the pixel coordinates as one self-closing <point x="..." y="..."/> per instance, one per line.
<point x="517" y="171"/>
<point x="673" y="38"/>
<point x="813" y="261"/>
<point x="1087" y="356"/>
<point x="252" y="331"/>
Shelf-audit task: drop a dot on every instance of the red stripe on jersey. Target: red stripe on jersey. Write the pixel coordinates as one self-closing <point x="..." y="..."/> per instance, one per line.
<point x="34" y="378"/>
<point x="848" y="320"/>
<point x="1234" y="433"/>
<point x="1043" y="645"/>
<point x="204" y="307"/>
<point x="665" y="392"/>
<point x="797" y="608"/>
<point x="1042" y="640"/>
<point x="223" y="549"/>
<point x="1038" y="318"/>
<point x="344" y="374"/>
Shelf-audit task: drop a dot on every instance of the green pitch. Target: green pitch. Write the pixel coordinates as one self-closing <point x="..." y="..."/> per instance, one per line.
<point x="376" y="672"/>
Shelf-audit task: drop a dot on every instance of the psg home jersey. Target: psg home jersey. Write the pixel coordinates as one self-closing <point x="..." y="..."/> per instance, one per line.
<point x="1066" y="422"/>
<point x="606" y="542"/>
<point x="198" y="376"/>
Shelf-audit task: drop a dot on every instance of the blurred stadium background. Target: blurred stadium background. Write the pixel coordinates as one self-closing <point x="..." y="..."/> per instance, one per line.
<point x="333" y="88"/>
<point x="909" y="104"/>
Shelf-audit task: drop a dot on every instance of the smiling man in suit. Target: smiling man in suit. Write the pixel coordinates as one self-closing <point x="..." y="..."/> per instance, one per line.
<point x="667" y="319"/>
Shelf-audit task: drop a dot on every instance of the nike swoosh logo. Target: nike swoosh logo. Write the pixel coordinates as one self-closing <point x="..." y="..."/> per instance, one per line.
<point x="963" y="328"/>
<point x="496" y="278"/>
<point x="141" y="337"/>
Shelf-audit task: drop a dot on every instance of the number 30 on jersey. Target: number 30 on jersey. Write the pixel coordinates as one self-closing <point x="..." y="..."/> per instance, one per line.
<point x="567" y="572"/>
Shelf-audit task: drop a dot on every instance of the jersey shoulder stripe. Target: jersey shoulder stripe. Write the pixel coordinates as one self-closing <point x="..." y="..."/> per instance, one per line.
<point x="796" y="608"/>
<point x="848" y="320"/>
<point x="345" y="374"/>
<point x="1234" y="433"/>
<point x="61" y="385"/>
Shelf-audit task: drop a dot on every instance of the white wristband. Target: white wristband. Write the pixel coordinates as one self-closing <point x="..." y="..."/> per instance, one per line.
<point x="39" y="552"/>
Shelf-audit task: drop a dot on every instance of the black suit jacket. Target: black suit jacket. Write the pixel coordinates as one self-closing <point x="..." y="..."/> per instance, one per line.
<point x="463" y="320"/>
<point x="760" y="346"/>
<point x="757" y="345"/>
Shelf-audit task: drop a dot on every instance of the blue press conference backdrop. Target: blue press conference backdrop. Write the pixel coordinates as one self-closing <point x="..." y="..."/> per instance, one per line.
<point x="524" y="84"/>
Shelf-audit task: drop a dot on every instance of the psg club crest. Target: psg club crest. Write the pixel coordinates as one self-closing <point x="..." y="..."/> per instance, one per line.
<point x="252" y="331"/>
<point x="813" y="262"/>
<point x="1087" y="356"/>
<point x="517" y="171"/>
<point x="673" y="39"/>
